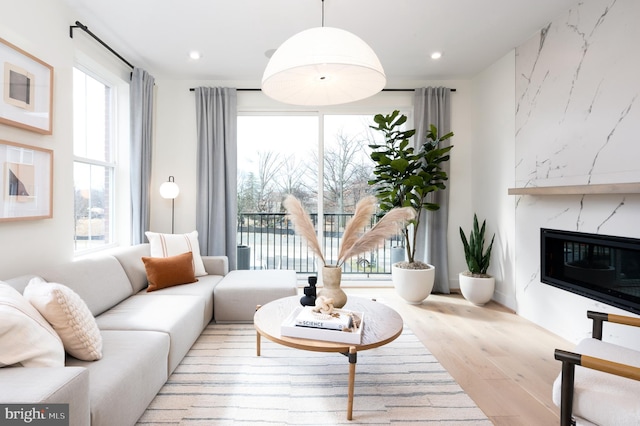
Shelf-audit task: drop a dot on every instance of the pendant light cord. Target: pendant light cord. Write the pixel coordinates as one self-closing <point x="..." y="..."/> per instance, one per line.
<point x="322" y="13"/>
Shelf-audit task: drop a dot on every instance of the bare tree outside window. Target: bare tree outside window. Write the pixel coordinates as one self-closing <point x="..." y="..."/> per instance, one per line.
<point x="346" y="171"/>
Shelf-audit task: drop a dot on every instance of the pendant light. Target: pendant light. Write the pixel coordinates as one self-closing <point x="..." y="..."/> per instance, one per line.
<point x="323" y="66"/>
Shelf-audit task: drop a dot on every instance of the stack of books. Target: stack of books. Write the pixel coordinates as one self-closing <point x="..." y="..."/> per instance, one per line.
<point x="339" y="326"/>
<point x="337" y="320"/>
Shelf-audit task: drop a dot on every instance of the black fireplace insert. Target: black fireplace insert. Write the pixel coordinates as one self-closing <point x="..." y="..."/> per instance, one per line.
<point x="601" y="267"/>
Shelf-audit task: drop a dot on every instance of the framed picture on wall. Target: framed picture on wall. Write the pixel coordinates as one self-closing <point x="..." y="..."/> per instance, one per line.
<point x="26" y="182"/>
<point x="26" y="92"/>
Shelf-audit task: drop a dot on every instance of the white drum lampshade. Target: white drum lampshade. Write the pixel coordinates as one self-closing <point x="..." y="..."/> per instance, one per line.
<point x="323" y="66"/>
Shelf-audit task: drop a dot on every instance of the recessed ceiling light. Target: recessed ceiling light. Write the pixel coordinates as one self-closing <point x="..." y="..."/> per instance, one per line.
<point x="436" y="55"/>
<point x="195" y="55"/>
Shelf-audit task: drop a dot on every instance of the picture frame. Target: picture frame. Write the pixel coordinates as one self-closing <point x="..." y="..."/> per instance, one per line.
<point x="26" y="182"/>
<point x="26" y="92"/>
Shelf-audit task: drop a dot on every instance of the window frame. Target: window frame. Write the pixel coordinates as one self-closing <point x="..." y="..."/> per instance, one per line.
<point x="257" y="104"/>
<point x="120" y="212"/>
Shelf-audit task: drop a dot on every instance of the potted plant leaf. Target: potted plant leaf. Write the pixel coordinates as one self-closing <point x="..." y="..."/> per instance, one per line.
<point x="475" y="284"/>
<point x="406" y="177"/>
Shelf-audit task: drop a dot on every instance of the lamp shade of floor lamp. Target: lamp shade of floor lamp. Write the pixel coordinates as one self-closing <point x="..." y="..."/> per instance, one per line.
<point x="170" y="190"/>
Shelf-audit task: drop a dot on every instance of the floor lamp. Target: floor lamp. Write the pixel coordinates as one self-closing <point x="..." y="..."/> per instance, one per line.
<point x="170" y="190"/>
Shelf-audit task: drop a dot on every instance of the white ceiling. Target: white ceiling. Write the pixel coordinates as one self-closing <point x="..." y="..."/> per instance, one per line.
<point x="233" y="35"/>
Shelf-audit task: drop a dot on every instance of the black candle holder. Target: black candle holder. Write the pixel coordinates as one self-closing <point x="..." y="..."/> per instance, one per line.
<point x="309" y="298"/>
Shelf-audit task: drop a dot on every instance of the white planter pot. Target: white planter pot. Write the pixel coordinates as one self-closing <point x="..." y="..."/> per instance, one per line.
<point x="413" y="285"/>
<point x="477" y="290"/>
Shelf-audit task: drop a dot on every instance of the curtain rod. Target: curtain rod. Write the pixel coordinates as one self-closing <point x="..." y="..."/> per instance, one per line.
<point x="106" y="46"/>
<point x="384" y="90"/>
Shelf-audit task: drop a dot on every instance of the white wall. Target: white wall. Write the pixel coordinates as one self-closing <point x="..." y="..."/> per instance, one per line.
<point x="46" y="241"/>
<point x="42" y="29"/>
<point x="577" y="122"/>
<point x="492" y="151"/>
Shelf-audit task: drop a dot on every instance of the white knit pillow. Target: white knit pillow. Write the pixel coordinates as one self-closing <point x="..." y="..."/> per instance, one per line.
<point x="69" y="316"/>
<point x="165" y="245"/>
<point x="26" y="338"/>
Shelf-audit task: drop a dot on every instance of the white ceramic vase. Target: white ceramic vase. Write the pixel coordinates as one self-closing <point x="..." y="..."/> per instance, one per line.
<point x="413" y="285"/>
<point x="477" y="290"/>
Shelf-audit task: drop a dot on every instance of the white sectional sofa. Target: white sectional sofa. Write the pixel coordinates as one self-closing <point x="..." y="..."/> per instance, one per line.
<point x="144" y="334"/>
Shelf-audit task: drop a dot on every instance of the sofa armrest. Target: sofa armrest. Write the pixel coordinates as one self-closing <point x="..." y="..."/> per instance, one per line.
<point x="216" y="265"/>
<point x="59" y="385"/>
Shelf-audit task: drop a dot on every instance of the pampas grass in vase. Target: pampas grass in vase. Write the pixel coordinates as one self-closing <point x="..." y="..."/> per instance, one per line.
<point x="355" y="240"/>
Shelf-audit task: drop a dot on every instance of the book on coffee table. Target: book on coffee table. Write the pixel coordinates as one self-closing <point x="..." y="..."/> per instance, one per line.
<point x="354" y="335"/>
<point x="336" y="320"/>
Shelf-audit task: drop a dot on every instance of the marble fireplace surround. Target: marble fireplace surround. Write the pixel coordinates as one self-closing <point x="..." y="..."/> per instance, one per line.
<point x="577" y="121"/>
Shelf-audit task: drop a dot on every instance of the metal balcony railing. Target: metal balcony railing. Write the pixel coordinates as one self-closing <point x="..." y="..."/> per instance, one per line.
<point x="268" y="241"/>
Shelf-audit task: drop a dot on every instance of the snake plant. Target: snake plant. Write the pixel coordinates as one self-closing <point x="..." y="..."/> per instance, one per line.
<point x="477" y="259"/>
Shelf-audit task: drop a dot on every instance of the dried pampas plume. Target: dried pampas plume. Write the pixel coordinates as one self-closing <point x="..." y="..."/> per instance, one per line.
<point x="302" y="224"/>
<point x="389" y="225"/>
<point x="356" y="225"/>
<point x="355" y="240"/>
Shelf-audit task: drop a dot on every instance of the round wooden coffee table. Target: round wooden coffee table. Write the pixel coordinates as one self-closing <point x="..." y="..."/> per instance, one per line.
<point x="381" y="326"/>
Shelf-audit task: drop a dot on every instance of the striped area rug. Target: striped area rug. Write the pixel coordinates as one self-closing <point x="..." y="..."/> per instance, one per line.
<point x="221" y="381"/>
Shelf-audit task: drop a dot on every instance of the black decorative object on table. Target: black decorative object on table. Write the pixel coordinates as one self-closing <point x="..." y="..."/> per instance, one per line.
<point x="309" y="298"/>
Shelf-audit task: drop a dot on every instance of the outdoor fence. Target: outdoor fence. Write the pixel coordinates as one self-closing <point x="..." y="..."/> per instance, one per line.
<point x="268" y="241"/>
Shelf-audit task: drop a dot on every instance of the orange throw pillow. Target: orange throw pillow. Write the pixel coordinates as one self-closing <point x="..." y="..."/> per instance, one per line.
<point x="165" y="272"/>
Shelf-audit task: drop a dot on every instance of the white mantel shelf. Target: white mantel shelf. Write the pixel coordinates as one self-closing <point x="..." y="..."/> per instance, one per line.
<point x="605" y="188"/>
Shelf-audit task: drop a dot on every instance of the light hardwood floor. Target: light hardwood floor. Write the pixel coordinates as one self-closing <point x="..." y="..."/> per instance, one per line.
<point x="503" y="362"/>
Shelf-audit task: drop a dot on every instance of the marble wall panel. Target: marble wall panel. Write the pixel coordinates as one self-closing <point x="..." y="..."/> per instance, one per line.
<point x="577" y="123"/>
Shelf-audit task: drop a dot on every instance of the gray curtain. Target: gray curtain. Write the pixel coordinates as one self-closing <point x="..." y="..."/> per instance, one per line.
<point x="432" y="106"/>
<point x="141" y="112"/>
<point x="216" y="188"/>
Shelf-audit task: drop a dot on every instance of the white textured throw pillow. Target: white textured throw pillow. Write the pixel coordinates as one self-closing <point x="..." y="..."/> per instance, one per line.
<point x="26" y="338"/>
<point x="165" y="245"/>
<point x="69" y="316"/>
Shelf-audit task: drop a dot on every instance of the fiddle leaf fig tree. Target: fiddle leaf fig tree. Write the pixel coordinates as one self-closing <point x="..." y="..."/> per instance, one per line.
<point x="404" y="176"/>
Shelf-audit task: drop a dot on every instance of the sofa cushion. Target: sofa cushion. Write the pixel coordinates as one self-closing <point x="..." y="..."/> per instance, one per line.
<point x="69" y="316"/>
<point x="163" y="245"/>
<point x="26" y="338"/>
<point x="130" y="258"/>
<point x="168" y="271"/>
<point x="178" y="316"/>
<point x="20" y="283"/>
<point x="128" y="377"/>
<point x="100" y="282"/>
<point x="202" y="289"/>
<point x="236" y="297"/>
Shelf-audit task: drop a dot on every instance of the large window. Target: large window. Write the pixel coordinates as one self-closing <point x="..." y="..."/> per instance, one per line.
<point x="322" y="159"/>
<point x="94" y="165"/>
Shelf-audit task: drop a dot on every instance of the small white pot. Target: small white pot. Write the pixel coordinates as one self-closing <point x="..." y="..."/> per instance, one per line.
<point x="477" y="290"/>
<point x="413" y="285"/>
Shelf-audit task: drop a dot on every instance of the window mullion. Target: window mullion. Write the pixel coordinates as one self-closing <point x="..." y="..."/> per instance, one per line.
<point x="94" y="162"/>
